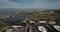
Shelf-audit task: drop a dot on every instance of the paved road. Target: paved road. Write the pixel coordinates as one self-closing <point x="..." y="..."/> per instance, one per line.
<point x="20" y="29"/>
<point x="9" y="30"/>
<point x="33" y="28"/>
<point x="4" y="29"/>
<point x="23" y="29"/>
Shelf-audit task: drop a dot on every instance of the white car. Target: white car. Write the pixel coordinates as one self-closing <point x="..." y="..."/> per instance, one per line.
<point x="16" y="26"/>
<point x="42" y="21"/>
<point x="32" y="21"/>
<point x="41" y="28"/>
<point x="52" y="22"/>
<point x="57" y="27"/>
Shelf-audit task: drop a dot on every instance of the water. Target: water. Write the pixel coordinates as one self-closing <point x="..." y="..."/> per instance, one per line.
<point x="18" y="17"/>
<point x="3" y="14"/>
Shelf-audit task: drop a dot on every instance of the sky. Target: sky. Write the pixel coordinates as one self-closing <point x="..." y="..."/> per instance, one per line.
<point x="31" y="4"/>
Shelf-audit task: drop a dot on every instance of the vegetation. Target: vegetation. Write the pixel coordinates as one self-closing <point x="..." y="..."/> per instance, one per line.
<point x="42" y="15"/>
<point x="2" y="25"/>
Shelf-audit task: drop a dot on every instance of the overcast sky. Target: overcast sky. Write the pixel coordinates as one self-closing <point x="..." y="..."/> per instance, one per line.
<point x="37" y="4"/>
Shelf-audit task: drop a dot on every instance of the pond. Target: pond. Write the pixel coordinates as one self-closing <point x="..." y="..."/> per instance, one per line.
<point x="18" y="17"/>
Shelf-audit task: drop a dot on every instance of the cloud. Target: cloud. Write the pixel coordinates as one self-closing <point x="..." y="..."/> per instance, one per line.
<point x="43" y="4"/>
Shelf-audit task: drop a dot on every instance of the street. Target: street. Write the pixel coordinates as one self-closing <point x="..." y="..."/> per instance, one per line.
<point x="33" y="27"/>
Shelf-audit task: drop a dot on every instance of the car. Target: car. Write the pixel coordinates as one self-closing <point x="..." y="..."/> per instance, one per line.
<point x="52" y="22"/>
<point x="41" y="28"/>
<point x="57" y="27"/>
<point x="42" y="21"/>
<point x="32" y="22"/>
<point x="16" y="26"/>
